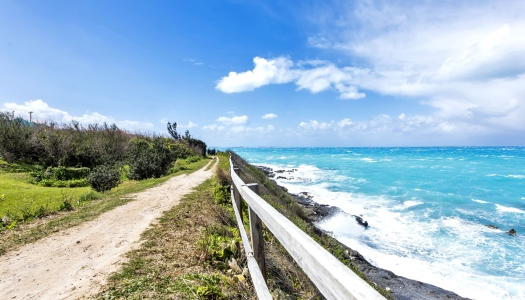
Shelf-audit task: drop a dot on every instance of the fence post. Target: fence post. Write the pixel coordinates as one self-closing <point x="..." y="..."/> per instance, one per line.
<point x="257" y="234"/>
<point x="236" y="195"/>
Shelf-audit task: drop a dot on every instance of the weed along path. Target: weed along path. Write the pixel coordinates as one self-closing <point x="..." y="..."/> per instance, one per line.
<point x="74" y="262"/>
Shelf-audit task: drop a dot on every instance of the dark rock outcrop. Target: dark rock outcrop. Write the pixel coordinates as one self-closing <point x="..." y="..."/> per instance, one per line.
<point x="512" y="232"/>
<point x="361" y="222"/>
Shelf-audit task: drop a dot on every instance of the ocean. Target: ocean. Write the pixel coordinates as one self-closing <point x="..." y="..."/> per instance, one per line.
<point x="428" y="209"/>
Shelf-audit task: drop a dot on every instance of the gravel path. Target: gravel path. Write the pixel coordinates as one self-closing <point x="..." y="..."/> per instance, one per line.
<point x="75" y="262"/>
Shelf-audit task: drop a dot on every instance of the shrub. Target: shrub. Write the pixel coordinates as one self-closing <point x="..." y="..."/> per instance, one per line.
<point x="152" y="157"/>
<point x="61" y="177"/>
<point x="104" y="178"/>
<point x="193" y="159"/>
<point x="89" y="196"/>
<point x="66" y="205"/>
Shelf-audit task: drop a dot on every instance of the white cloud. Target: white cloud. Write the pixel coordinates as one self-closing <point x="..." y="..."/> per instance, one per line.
<point x="190" y="125"/>
<point x="213" y="127"/>
<point x="265" y="72"/>
<point x="345" y="123"/>
<point x="313" y="124"/>
<point x="315" y="76"/>
<point x="319" y="42"/>
<point x="464" y="61"/>
<point x="43" y="112"/>
<point x="233" y="120"/>
<point x="244" y="129"/>
<point x="269" y="116"/>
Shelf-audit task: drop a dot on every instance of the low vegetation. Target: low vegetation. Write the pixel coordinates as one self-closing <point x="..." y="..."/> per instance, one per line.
<point x="195" y="252"/>
<point x="53" y="174"/>
<point x="31" y="212"/>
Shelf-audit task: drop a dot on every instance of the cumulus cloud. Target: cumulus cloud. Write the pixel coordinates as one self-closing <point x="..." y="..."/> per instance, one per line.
<point x="43" y="112"/>
<point x="190" y="125"/>
<point x="464" y="62"/>
<point x="313" y="124"/>
<point x="385" y="124"/>
<point x="269" y="116"/>
<point x="213" y="127"/>
<point x="233" y="120"/>
<point x="244" y="129"/>
<point x="315" y="76"/>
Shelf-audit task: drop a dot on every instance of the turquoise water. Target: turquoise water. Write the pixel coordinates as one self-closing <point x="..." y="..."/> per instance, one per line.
<point x="428" y="209"/>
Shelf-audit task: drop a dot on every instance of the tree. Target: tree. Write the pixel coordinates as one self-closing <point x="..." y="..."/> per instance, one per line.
<point x="172" y="129"/>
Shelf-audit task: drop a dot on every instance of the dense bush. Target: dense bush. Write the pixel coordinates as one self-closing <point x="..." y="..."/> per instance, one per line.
<point x="61" y="177"/>
<point x="52" y="144"/>
<point x="152" y="157"/>
<point x="104" y="178"/>
<point x="63" y="146"/>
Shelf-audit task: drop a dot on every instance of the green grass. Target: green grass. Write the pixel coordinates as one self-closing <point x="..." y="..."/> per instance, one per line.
<point x="35" y="228"/>
<point x="185" y="255"/>
<point x="171" y="264"/>
<point x="20" y="194"/>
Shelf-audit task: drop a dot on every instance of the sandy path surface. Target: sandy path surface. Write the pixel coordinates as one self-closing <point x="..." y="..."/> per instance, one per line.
<point x="75" y="262"/>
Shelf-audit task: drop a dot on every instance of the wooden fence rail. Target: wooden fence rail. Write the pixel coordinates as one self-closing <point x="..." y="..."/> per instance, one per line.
<point x="333" y="279"/>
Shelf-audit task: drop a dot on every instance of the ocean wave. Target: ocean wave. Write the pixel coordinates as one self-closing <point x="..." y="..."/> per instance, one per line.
<point x="508" y="209"/>
<point x="516" y="176"/>
<point x="480" y="201"/>
<point x="411" y="203"/>
<point x="367" y="159"/>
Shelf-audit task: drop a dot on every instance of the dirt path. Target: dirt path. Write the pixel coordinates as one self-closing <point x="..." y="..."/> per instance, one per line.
<point x="76" y="261"/>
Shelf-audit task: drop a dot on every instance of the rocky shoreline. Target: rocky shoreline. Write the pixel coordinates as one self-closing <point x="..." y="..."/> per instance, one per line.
<point x="401" y="287"/>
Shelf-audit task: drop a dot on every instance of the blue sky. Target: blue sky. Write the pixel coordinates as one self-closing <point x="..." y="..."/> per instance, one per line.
<point x="273" y="73"/>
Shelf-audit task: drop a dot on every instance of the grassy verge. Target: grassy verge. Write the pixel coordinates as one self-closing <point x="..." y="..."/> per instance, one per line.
<point x="84" y="205"/>
<point x="195" y="252"/>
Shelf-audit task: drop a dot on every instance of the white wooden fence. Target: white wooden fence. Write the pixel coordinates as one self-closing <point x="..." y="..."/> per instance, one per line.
<point x="333" y="279"/>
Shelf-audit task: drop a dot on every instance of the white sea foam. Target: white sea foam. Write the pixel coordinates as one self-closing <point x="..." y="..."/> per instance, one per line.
<point x="367" y="159"/>
<point x="411" y="203"/>
<point x="412" y="240"/>
<point x="508" y="209"/>
<point x="516" y="176"/>
<point x="480" y="201"/>
<point x="395" y="241"/>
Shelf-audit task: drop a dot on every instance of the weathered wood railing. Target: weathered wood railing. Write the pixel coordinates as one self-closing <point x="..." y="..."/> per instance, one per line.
<point x="333" y="279"/>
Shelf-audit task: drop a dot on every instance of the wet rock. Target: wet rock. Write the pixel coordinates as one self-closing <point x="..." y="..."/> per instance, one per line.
<point x="512" y="232"/>
<point x="306" y="195"/>
<point x="361" y="222"/>
<point x="281" y="177"/>
<point x="324" y="211"/>
<point x="267" y="171"/>
<point x="492" y="226"/>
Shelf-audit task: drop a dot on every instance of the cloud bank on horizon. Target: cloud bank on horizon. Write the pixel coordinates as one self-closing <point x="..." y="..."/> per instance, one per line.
<point x="42" y="112"/>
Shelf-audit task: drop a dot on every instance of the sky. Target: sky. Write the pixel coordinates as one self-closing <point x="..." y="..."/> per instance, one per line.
<point x="273" y="73"/>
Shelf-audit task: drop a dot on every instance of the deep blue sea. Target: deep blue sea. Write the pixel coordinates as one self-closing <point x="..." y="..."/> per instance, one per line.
<point x="428" y="209"/>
